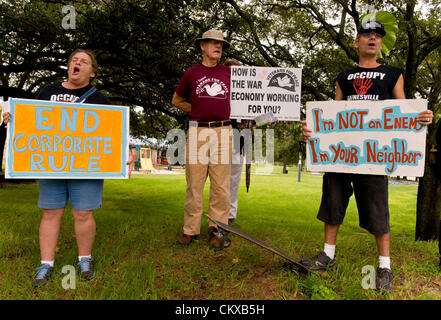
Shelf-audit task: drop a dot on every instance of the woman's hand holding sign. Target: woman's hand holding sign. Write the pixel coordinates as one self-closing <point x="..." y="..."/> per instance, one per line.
<point x="6" y="117"/>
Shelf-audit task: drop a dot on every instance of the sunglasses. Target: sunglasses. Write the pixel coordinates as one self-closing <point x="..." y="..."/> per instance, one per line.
<point x="369" y="34"/>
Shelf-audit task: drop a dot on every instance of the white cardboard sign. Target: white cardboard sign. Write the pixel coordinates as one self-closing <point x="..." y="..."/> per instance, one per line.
<point x="259" y="90"/>
<point x="367" y="137"/>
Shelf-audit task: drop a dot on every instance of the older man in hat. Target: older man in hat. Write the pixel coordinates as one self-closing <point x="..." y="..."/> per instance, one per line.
<point x="369" y="80"/>
<point x="204" y="92"/>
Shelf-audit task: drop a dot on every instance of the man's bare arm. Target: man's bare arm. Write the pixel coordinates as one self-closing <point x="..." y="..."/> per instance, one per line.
<point x="338" y="92"/>
<point x="398" y="91"/>
<point x="181" y="103"/>
<point x="425" y="117"/>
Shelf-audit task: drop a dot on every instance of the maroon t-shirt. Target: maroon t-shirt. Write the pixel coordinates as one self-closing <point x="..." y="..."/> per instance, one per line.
<point x="208" y="90"/>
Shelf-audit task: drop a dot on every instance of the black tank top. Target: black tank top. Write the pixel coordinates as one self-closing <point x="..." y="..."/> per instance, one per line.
<point x="369" y="83"/>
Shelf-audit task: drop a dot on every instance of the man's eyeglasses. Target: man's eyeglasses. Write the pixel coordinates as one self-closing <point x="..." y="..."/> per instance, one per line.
<point x="369" y="34"/>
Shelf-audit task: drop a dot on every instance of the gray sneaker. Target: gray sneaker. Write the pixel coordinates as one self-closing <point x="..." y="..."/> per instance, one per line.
<point x="321" y="262"/>
<point x="86" y="268"/>
<point x="42" y="275"/>
<point x="384" y="279"/>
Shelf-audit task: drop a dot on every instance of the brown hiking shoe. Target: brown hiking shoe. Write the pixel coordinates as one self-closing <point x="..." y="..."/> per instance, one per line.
<point x="217" y="243"/>
<point x="217" y="239"/>
<point x="185" y="239"/>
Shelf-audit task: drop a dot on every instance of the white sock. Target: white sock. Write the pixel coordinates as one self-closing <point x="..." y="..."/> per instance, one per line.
<point x="384" y="262"/>
<point x="330" y="250"/>
<point x="51" y="263"/>
<point x="80" y="257"/>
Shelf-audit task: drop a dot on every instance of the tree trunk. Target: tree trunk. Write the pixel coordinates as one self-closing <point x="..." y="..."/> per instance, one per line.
<point x="429" y="193"/>
<point x="428" y="206"/>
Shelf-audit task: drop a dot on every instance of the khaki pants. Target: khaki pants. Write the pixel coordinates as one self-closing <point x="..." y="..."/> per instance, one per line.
<point x="210" y="157"/>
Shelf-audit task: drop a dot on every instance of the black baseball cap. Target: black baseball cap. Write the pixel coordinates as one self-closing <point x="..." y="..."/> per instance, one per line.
<point x="372" y="26"/>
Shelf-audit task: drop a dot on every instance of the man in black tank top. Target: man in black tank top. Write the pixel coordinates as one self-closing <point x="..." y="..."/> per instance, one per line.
<point x="367" y="81"/>
<point x="375" y="83"/>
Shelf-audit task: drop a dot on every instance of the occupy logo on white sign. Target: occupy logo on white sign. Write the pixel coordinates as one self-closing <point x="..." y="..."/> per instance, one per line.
<point x="284" y="79"/>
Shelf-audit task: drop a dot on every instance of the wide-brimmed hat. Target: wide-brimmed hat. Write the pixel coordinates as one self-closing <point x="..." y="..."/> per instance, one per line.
<point x="372" y="26"/>
<point x="212" y="34"/>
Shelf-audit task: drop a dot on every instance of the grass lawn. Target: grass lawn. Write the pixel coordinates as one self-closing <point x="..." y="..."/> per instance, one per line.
<point x="137" y="256"/>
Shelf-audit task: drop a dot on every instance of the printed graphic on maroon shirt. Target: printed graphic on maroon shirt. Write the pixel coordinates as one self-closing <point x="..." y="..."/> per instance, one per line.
<point x="211" y="88"/>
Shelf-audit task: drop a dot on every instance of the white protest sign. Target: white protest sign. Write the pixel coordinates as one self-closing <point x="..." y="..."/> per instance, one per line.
<point x="367" y="137"/>
<point x="259" y="90"/>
